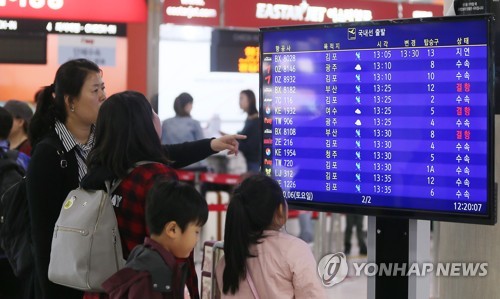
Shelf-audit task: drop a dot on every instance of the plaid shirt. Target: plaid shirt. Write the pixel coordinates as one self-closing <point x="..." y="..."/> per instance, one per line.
<point x="130" y="204"/>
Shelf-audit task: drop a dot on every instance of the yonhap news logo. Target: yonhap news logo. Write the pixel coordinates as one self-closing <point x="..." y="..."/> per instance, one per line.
<point x="455" y="269"/>
<point x="334" y="268"/>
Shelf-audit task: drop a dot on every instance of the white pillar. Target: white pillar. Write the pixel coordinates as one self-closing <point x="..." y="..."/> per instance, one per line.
<point x="448" y="9"/>
<point x="155" y="16"/>
<point x="419" y="287"/>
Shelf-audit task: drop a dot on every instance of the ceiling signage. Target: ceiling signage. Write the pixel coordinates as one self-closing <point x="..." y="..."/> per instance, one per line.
<point x="8" y="25"/>
<point x="309" y="13"/>
<point x="101" y="50"/>
<point x="192" y="12"/>
<point x="411" y="10"/>
<point x="234" y="51"/>
<point x="296" y="12"/>
<point x="61" y="27"/>
<point x="127" y="11"/>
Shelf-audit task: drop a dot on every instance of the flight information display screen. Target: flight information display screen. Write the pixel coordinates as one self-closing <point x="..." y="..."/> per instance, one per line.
<point x="382" y="118"/>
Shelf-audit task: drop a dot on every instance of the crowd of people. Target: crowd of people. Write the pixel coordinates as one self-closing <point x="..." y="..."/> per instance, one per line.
<point x="78" y="137"/>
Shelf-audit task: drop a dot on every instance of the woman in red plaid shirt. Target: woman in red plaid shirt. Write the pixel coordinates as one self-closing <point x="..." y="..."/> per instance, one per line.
<point x="128" y="131"/>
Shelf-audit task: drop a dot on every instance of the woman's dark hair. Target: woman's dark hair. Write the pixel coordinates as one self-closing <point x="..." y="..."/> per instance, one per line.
<point x="20" y="110"/>
<point x="180" y="104"/>
<point x="250" y="211"/>
<point x="170" y="200"/>
<point x="69" y="80"/>
<point x="125" y="134"/>
<point x="6" y="121"/>
<point x="252" y="102"/>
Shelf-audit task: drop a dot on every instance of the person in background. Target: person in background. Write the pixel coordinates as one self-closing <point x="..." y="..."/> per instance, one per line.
<point x="306" y="226"/>
<point x="22" y="114"/>
<point x="175" y="214"/>
<point x="353" y="220"/>
<point x="62" y="133"/>
<point x="6" y="124"/>
<point x="257" y="253"/>
<point x="182" y="127"/>
<point x="250" y="147"/>
<point x="10" y="286"/>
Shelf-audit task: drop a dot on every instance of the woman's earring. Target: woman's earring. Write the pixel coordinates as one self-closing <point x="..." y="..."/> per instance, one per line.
<point x="72" y="108"/>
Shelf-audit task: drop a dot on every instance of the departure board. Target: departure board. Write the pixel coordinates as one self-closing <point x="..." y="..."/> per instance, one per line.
<point x="382" y="118"/>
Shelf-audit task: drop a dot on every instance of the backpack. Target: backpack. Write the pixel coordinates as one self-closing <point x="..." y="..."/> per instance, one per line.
<point x="14" y="214"/>
<point x="10" y="171"/>
<point x="10" y="174"/>
<point x="86" y="246"/>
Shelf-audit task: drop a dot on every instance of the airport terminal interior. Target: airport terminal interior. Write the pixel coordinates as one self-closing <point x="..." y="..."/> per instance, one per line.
<point x="376" y="120"/>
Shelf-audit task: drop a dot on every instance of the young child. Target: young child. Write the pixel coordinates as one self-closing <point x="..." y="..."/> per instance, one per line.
<point x="259" y="260"/>
<point x="175" y="213"/>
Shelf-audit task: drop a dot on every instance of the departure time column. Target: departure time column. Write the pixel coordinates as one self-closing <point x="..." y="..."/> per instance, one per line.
<point x="382" y="121"/>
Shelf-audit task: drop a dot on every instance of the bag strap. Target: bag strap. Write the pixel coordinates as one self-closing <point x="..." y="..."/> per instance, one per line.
<point x="111" y="186"/>
<point x="252" y="286"/>
<point x="63" y="162"/>
<point x="12" y="154"/>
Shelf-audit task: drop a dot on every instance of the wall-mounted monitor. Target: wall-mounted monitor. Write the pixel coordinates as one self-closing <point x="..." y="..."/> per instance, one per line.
<point x="386" y="118"/>
<point x="234" y="51"/>
<point x="29" y="48"/>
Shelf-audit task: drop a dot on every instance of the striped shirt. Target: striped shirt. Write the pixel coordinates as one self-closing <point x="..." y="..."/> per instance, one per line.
<point x="81" y="150"/>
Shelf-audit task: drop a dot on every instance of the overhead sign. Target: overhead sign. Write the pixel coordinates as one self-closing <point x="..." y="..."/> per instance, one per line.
<point x="101" y="50"/>
<point x="471" y="7"/>
<point x="123" y="11"/>
<point x="60" y="27"/>
<point x="309" y="13"/>
<point x="16" y="47"/>
<point x="192" y="12"/>
<point x="411" y="10"/>
<point x="262" y="13"/>
<point x="234" y="51"/>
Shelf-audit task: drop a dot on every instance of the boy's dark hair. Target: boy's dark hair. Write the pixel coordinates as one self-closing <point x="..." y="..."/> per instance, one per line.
<point x="170" y="200"/>
<point x="5" y="123"/>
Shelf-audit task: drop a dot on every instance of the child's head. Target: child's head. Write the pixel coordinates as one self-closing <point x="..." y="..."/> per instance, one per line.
<point x="257" y="204"/>
<point x="175" y="213"/>
<point x="262" y="199"/>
